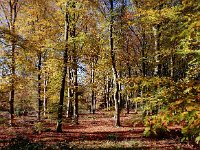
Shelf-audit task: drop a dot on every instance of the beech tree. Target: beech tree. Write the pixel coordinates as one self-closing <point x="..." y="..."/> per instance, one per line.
<point x="9" y="11"/>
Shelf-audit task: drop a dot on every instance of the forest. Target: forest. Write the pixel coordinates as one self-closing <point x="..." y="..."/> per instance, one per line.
<point x="99" y="74"/>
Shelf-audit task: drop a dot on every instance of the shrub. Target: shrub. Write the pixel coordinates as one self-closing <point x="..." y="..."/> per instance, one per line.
<point x="38" y="127"/>
<point x="112" y="137"/>
<point x="23" y="143"/>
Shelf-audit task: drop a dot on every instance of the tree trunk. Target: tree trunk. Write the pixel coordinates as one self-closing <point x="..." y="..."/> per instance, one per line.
<point x="172" y="65"/>
<point x="129" y="76"/>
<point x="45" y="95"/>
<point x="93" y="102"/>
<point x="75" y="65"/>
<point x="69" y="95"/>
<point x="143" y="54"/>
<point x="12" y="93"/>
<point x="39" y="86"/>
<point x="64" y="72"/>
<point x="136" y="103"/>
<point x="76" y="95"/>
<point x="127" y="104"/>
<point x="157" y="70"/>
<point x="108" y="93"/>
<point x="120" y="94"/>
<point x="105" y="93"/>
<point x="13" y="17"/>
<point x="114" y="69"/>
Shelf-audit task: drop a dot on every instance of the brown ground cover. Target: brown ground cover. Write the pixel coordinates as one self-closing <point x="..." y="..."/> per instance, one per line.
<point x="93" y="132"/>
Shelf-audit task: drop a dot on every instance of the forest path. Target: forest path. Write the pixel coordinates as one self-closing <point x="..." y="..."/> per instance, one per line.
<point x="94" y="131"/>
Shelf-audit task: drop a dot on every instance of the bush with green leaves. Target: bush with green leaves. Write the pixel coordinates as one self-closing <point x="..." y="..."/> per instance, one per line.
<point x="38" y="127"/>
<point x="180" y="106"/>
<point x="167" y="103"/>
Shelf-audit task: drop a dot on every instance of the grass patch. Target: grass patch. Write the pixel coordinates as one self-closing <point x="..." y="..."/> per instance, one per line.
<point x="112" y="137"/>
<point x="3" y="120"/>
<point x="106" y="144"/>
<point x="23" y="143"/>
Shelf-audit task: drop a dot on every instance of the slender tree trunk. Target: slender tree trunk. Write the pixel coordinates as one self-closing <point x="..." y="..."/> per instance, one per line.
<point x="13" y="17"/>
<point x="45" y="94"/>
<point x="39" y="86"/>
<point x="75" y="64"/>
<point x="143" y="54"/>
<point x="129" y="76"/>
<point x="105" y="94"/>
<point x="93" y="103"/>
<point x="119" y="93"/>
<point x="12" y="93"/>
<point x="127" y="104"/>
<point x="69" y="95"/>
<point x="108" y="93"/>
<point x="136" y="103"/>
<point x="128" y="93"/>
<point x="114" y="69"/>
<point x="64" y="73"/>
<point x="172" y="65"/>
<point x="76" y="115"/>
<point x="157" y="70"/>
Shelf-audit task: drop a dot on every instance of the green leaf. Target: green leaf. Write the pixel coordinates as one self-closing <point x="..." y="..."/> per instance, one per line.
<point x="197" y="139"/>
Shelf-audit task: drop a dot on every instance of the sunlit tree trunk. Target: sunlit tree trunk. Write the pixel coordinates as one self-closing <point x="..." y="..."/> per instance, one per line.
<point x="75" y="67"/>
<point x="69" y="95"/>
<point x="172" y="65"/>
<point x="114" y="69"/>
<point x="107" y="93"/>
<point x="136" y="103"/>
<point x="45" y="94"/>
<point x="157" y="35"/>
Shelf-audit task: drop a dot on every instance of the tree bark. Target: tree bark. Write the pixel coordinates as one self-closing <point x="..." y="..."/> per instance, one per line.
<point x="127" y="104"/>
<point x="108" y="93"/>
<point x="75" y="67"/>
<point x="64" y="72"/>
<point x="93" y="100"/>
<point x="76" y="96"/>
<point x="45" y="94"/>
<point x="143" y="54"/>
<point x="172" y="65"/>
<point x="13" y="17"/>
<point x="157" y="70"/>
<point x="105" y="94"/>
<point x="69" y="95"/>
<point x="114" y="69"/>
<point x="39" y="86"/>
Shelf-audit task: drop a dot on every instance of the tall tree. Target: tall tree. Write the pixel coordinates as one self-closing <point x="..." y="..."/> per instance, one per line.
<point x="64" y="72"/>
<point x="13" y="16"/>
<point x="10" y="11"/>
<point x="114" y="67"/>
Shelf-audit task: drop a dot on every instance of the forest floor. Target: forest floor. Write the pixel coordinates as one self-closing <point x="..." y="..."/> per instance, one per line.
<point x="93" y="132"/>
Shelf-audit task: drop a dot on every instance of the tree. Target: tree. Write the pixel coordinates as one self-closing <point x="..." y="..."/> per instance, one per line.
<point x="114" y="69"/>
<point x="64" y="72"/>
<point x="39" y="32"/>
<point x="10" y="11"/>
